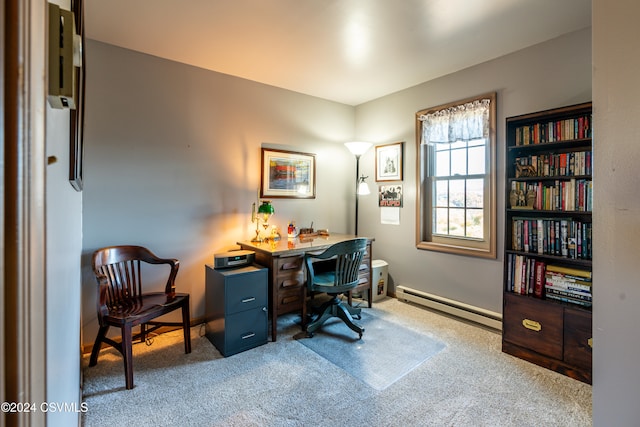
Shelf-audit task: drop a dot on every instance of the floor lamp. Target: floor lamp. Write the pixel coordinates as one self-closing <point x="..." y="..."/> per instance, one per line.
<point x="358" y="149"/>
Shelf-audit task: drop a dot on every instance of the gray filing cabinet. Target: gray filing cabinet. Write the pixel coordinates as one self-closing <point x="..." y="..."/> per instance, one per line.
<point x="236" y="308"/>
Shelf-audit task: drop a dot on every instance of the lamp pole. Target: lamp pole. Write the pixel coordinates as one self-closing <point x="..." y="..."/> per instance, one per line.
<point x="357" y="149"/>
<point x="357" y="183"/>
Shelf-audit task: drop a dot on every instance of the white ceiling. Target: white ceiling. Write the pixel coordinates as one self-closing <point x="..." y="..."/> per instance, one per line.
<point x="349" y="51"/>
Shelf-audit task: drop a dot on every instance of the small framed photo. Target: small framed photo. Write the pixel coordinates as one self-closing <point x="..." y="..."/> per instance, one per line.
<point x="288" y="174"/>
<point x="390" y="195"/>
<point x="389" y="162"/>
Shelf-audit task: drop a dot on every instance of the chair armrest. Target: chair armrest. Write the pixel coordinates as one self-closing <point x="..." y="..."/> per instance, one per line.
<point x="103" y="288"/>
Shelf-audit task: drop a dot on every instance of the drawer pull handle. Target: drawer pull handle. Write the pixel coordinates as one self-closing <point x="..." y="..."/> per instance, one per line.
<point x="532" y="325"/>
<point x="291" y="265"/>
<point x="244" y="337"/>
<point x="291" y="282"/>
<point x="590" y="342"/>
<point x="290" y="299"/>
<point x="246" y="300"/>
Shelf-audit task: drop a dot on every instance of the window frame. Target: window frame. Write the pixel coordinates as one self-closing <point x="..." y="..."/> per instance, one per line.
<point x="425" y="239"/>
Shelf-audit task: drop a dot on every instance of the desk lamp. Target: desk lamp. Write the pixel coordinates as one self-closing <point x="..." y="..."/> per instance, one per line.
<point x="358" y="149"/>
<point x="265" y="210"/>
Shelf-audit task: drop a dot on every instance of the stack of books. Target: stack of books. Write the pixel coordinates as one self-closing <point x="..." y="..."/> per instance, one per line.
<point x="572" y="285"/>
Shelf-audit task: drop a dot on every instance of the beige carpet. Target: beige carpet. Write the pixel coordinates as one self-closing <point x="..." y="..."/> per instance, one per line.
<point x="469" y="383"/>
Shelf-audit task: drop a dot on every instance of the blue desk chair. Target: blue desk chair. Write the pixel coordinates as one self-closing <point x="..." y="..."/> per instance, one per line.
<point x="339" y="280"/>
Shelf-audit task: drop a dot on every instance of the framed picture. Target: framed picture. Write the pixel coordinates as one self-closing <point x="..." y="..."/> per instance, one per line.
<point x="77" y="115"/>
<point x="288" y="174"/>
<point x="389" y="162"/>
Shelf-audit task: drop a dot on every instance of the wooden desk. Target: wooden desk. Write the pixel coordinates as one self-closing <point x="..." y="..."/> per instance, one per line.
<point x="287" y="274"/>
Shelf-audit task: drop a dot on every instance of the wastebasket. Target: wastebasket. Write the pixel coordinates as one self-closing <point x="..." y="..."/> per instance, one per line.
<point x="379" y="277"/>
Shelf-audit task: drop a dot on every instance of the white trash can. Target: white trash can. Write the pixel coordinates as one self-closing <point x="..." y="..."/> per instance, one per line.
<point x="379" y="277"/>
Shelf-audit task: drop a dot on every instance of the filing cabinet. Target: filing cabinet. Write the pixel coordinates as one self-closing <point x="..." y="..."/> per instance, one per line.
<point x="236" y="313"/>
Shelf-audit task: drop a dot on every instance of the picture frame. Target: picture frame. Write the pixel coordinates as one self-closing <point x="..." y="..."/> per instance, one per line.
<point x="390" y="195"/>
<point x="287" y="174"/>
<point x="76" y="125"/>
<point x="389" y="162"/>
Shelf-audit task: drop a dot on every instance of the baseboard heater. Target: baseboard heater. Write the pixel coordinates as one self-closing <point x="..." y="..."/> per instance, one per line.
<point x="455" y="308"/>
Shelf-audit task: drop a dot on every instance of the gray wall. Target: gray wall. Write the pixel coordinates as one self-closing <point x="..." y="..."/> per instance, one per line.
<point x="172" y="155"/>
<point x="63" y="291"/>
<point x="547" y="75"/>
<point x="616" y="67"/>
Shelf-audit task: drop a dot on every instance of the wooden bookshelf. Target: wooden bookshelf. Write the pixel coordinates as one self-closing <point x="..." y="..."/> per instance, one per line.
<point x="548" y="249"/>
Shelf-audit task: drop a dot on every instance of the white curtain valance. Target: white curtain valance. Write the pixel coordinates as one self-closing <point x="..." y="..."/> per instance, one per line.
<point x="463" y="122"/>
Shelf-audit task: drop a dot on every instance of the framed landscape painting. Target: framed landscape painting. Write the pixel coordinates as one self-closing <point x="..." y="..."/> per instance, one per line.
<point x="288" y="174"/>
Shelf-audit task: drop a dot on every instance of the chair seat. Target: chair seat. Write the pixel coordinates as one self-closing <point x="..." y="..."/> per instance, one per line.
<point x="150" y="304"/>
<point x="324" y="282"/>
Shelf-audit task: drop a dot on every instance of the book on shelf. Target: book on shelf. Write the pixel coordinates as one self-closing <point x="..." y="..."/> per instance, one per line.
<point x="554" y="131"/>
<point x="573" y="272"/>
<point x="568" y="284"/>
<point x="526" y="275"/>
<point x="569" y="300"/>
<point x="564" y="237"/>
<point x="558" y="195"/>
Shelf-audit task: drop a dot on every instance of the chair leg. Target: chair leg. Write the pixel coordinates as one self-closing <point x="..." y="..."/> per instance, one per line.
<point x="343" y="313"/>
<point x="97" y="345"/>
<point x="328" y="313"/>
<point x="127" y="355"/>
<point x="143" y="332"/>
<point x="303" y="318"/>
<point x="186" y="326"/>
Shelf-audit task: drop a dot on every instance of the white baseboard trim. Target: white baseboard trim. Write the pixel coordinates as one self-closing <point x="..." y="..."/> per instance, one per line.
<point x="455" y="308"/>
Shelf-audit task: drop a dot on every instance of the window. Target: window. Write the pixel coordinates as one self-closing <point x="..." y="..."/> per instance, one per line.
<point x="456" y="164"/>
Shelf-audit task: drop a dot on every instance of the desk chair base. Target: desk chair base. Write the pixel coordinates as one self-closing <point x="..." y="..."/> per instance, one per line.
<point x="335" y="308"/>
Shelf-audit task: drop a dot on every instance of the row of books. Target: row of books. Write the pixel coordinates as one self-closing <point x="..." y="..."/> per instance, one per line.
<point x="554" y="131"/>
<point x="564" y="237"/>
<point x="530" y="276"/>
<point x="559" y="195"/>
<point x="568" y="285"/>
<point x="558" y="164"/>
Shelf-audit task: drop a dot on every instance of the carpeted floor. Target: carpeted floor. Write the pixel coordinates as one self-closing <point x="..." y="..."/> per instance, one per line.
<point x="386" y="352"/>
<point x="470" y="382"/>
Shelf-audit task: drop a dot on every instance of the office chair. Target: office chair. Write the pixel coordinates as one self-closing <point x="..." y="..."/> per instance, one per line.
<point x="122" y="304"/>
<point x="338" y="280"/>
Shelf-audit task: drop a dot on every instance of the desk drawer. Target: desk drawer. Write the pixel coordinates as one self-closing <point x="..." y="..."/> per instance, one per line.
<point x="289" y="301"/>
<point x="289" y="274"/>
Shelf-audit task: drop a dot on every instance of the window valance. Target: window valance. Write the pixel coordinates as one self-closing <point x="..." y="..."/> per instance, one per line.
<point x="463" y="122"/>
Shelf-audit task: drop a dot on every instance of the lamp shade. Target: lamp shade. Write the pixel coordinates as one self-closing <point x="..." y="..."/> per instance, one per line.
<point x="266" y="208"/>
<point x="363" y="188"/>
<point x="358" y="148"/>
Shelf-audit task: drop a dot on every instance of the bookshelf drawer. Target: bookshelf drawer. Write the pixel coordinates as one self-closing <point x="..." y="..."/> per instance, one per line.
<point x="577" y="338"/>
<point x="533" y="324"/>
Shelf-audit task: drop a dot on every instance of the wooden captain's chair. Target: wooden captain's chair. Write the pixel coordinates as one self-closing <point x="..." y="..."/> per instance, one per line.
<point x="122" y="303"/>
<point x="339" y="280"/>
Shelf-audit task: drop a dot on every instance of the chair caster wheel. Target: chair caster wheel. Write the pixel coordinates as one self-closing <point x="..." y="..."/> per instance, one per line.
<point x="358" y="317"/>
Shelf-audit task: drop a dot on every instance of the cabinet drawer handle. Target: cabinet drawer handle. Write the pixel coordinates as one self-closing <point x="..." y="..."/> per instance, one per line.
<point x="532" y="325"/>
<point x="246" y="300"/>
<point x="244" y="337"/>
<point x="590" y="342"/>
